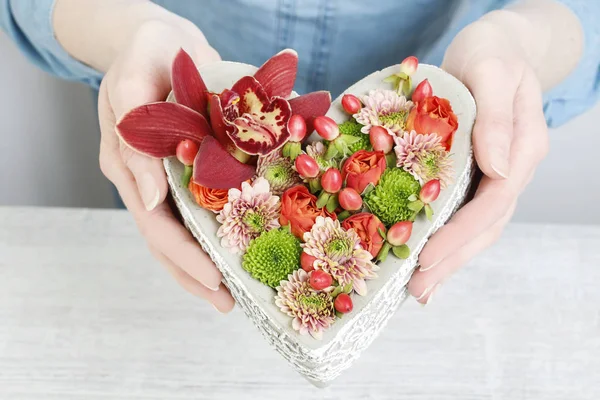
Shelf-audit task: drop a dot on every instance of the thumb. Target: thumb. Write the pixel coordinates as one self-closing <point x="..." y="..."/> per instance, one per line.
<point x="494" y="86"/>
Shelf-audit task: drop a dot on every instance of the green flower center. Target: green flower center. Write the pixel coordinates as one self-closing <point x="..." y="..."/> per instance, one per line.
<point x="430" y="162"/>
<point x="254" y="221"/>
<point x="339" y="247"/>
<point x="395" y="118"/>
<point x="277" y="174"/>
<point x="313" y="302"/>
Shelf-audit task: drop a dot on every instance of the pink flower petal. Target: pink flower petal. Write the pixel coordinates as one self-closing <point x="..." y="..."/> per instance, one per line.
<point x="188" y="87"/>
<point x="278" y="74"/>
<point x="311" y="105"/>
<point x="156" y="129"/>
<point x="219" y="124"/>
<point x="215" y="168"/>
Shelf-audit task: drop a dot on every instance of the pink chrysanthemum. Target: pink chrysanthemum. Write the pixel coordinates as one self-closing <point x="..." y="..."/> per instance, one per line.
<point x="247" y="214"/>
<point x="312" y="310"/>
<point x="383" y="108"/>
<point x="339" y="253"/>
<point x="278" y="170"/>
<point x="424" y="157"/>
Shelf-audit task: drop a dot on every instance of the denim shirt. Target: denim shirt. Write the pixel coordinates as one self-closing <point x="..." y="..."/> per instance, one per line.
<point x="338" y="41"/>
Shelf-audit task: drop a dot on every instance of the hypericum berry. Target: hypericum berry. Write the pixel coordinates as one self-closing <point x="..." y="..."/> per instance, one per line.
<point x="430" y="191"/>
<point x="399" y="233"/>
<point x="306" y="166"/>
<point x="351" y="103"/>
<point x="350" y="199"/>
<point x="320" y="279"/>
<point x="331" y="181"/>
<point x="343" y="303"/>
<point x="380" y="139"/>
<point x="422" y="91"/>
<point x="409" y="65"/>
<point x="297" y="128"/>
<point x="307" y="261"/>
<point x="186" y="151"/>
<point x="326" y="127"/>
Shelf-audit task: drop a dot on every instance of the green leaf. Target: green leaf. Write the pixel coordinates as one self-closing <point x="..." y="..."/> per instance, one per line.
<point x="382" y="233"/>
<point x="332" y="151"/>
<point x="343" y="215"/>
<point x="391" y="79"/>
<point x="383" y="253"/>
<point x="323" y="199"/>
<point x="337" y="291"/>
<point x="339" y="314"/>
<point x="415" y="206"/>
<point x="347" y="288"/>
<point x="332" y="203"/>
<point x="401" y="251"/>
<point x="187" y="175"/>
<point x="349" y="139"/>
<point x="413" y="197"/>
<point x="428" y="211"/>
<point x="368" y="189"/>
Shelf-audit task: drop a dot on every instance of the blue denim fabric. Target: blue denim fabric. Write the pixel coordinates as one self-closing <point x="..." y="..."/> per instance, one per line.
<point x="339" y="41"/>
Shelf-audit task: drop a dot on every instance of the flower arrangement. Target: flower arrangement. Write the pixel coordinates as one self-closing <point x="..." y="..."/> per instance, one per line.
<point x="311" y="218"/>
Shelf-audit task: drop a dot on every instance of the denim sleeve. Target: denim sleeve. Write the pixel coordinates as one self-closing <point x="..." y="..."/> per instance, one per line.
<point x="29" y="24"/>
<point x="581" y="89"/>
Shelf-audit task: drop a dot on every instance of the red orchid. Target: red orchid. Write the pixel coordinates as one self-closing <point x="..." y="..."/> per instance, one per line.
<point x="249" y="119"/>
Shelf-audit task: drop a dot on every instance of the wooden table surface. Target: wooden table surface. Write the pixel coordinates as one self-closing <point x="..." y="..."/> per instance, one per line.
<point x="85" y="313"/>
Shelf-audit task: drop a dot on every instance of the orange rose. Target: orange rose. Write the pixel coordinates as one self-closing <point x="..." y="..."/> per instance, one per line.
<point x="433" y="115"/>
<point x="211" y="199"/>
<point x="362" y="168"/>
<point x="299" y="209"/>
<point x="366" y="225"/>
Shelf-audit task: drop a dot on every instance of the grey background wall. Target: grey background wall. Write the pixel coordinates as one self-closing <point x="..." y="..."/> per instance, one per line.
<point x="49" y="151"/>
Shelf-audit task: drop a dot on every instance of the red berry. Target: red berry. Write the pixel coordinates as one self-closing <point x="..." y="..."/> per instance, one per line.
<point x="307" y="262"/>
<point x="343" y="303"/>
<point x="306" y="166"/>
<point x="186" y="151"/>
<point x="409" y="65"/>
<point x="399" y="233"/>
<point x="380" y="139"/>
<point x="422" y="91"/>
<point x="331" y="181"/>
<point x="350" y="199"/>
<point x="297" y="128"/>
<point x="326" y="127"/>
<point x="351" y="103"/>
<point x="430" y="191"/>
<point x="320" y="279"/>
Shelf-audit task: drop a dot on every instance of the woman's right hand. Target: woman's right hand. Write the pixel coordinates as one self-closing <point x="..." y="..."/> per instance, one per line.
<point x="140" y="74"/>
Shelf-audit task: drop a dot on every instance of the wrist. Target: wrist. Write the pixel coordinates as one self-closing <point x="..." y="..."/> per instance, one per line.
<point x="96" y="32"/>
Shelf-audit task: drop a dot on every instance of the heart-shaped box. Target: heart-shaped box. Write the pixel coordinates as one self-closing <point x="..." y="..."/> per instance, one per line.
<point x="322" y="361"/>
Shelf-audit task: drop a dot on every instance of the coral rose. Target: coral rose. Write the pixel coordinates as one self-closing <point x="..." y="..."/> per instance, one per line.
<point x="362" y="168"/>
<point x="211" y="199"/>
<point x="366" y="225"/>
<point x="433" y="115"/>
<point x="299" y="209"/>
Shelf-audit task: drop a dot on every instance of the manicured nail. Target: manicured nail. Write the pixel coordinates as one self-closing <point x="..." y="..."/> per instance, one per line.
<point x="499" y="163"/>
<point x="149" y="191"/>
<point x="215" y="307"/>
<point x="213" y="288"/>
<point x="427" y="291"/>
<point x="432" y="293"/>
<point x="435" y="264"/>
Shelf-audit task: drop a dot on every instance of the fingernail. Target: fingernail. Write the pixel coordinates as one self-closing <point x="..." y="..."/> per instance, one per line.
<point x="500" y="166"/>
<point x="435" y="264"/>
<point x="149" y="191"/>
<point x="215" y="307"/>
<point x="213" y="288"/>
<point x="432" y="293"/>
<point x="431" y="289"/>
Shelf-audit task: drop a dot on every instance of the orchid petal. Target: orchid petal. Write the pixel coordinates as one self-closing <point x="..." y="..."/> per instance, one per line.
<point x="156" y="129"/>
<point x="215" y="168"/>
<point x="219" y="124"/>
<point x="188" y="87"/>
<point x="311" y="105"/>
<point x="278" y="74"/>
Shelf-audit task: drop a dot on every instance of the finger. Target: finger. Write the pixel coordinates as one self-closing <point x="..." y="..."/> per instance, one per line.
<point x="423" y="284"/>
<point x="221" y="298"/>
<point x="493" y="86"/>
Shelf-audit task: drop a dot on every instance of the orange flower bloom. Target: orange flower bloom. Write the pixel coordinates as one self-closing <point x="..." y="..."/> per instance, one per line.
<point x="366" y="225"/>
<point x="211" y="199"/>
<point x="299" y="209"/>
<point x="362" y="168"/>
<point x="433" y="115"/>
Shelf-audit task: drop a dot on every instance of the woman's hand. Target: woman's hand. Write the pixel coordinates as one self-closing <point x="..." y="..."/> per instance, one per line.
<point x="510" y="138"/>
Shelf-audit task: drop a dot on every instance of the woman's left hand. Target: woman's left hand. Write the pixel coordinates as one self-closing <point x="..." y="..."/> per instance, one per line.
<point x="510" y="138"/>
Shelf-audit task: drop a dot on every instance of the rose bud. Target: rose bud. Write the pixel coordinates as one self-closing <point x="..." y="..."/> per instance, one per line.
<point x="399" y="233"/>
<point x="430" y="191"/>
<point x="306" y="166"/>
<point x="422" y="91"/>
<point x="350" y="199"/>
<point x="409" y="65"/>
<point x="186" y="151"/>
<point x="307" y="262"/>
<point x="351" y="103"/>
<point x="326" y="127"/>
<point x="380" y="139"/>
<point x="297" y="128"/>
<point x="320" y="279"/>
<point x="331" y="181"/>
<point x="343" y="303"/>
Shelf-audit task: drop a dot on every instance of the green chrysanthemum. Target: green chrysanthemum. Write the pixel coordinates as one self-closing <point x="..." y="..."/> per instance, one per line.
<point x="389" y="200"/>
<point x="278" y="171"/>
<point x="272" y="256"/>
<point x="353" y="128"/>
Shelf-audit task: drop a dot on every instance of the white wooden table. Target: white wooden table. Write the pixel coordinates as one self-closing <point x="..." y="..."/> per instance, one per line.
<point x="85" y="313"/>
